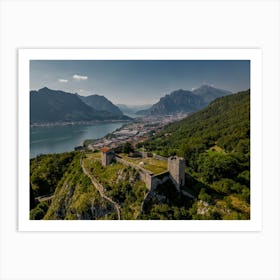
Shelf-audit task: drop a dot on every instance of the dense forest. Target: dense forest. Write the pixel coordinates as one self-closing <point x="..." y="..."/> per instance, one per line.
<point x="45" y="173"/>
<point x="215" y="143"/>
<point x="54" y="106"/>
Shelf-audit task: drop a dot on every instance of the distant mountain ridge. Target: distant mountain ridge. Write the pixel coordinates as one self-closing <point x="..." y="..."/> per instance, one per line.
<point x="132" y="109"/>
<point x="184" y="101"/>
<point x="48" y="106"/>
<point x="210" y="93"/>
<point x="101" y="103"/>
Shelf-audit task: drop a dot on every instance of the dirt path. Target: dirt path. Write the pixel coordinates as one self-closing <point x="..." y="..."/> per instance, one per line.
<point x="45" y="197"/>
<point x="100" y="189"/>
<point x="143" y="202"/>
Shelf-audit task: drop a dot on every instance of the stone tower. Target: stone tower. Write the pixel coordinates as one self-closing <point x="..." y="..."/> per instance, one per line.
<point x="176" y="168"/>
<point x="107" y="156"/>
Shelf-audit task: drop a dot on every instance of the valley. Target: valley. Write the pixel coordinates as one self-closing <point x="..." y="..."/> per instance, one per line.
<point x="130" y="173"/>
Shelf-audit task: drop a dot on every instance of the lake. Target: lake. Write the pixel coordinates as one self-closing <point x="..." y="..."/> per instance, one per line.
<point x="59" y="139"/>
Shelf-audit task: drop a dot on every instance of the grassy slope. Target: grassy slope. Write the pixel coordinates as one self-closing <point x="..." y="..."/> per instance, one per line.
<point x="121" y="183"/>
<point x="76" y="198"/>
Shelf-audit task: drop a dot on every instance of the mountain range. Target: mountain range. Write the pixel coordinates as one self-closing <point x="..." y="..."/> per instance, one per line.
<point x="184" y="101"/>
<point x="47" y="106"/>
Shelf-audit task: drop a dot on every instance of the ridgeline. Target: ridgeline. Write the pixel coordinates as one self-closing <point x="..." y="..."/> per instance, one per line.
<point x="215" y="143"/>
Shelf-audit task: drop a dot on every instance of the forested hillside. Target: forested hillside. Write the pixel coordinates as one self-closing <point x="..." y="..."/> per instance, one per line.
<point x="215" y="143"/>
<point x="45" y="174"/>
<point x="48" y="106"/>
<point x="74" y="196"/>
<point x="101" y="103"/>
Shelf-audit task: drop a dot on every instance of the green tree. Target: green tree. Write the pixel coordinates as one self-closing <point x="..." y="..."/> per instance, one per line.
<point x="214" y="166"/>
<point x="223" y="186"/>
<point x="39" y="211"/>
<point x="127" y="148"/>
<point x="203" y="195"/>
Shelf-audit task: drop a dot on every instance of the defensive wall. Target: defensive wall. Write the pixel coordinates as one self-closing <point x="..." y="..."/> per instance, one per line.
<point x="160" y="158"/>
<point x="151" y="180"/>
<point x="176" y="168"/>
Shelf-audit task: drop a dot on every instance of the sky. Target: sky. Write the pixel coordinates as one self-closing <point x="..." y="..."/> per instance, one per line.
<point x="136" y="82"/>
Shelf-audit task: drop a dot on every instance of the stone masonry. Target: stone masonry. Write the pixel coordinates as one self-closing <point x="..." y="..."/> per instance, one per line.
<point x="176" y="168"/>
<point x="107" y="155"/>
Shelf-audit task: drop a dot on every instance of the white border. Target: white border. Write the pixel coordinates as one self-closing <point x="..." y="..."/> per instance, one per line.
<point x="254" y="55"/>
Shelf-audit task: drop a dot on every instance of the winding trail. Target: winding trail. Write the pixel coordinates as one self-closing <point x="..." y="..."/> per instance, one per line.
<point x="100" y="189"/>
<point x="143" y="202"/>
<point x="45" y="197"/>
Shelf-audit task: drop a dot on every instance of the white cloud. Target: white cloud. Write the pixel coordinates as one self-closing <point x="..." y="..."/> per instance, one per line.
<point x="63" y="80"/>
<point x="79" y="77"/>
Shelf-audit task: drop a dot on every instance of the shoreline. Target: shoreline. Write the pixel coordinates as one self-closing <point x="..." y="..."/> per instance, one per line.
<point x="52" y="124"/>
<point x="127" y="122"/>
<point x="140" y="129"/>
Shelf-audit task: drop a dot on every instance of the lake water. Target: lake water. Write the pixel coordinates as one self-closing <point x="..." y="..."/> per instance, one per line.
<point x="59" y="139"/>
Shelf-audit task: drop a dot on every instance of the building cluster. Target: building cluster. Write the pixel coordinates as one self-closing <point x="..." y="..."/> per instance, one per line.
<point x="135" y="132"/>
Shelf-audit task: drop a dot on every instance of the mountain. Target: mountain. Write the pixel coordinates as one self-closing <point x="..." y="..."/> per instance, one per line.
<point x="101" y="103"/>
<point x="132" y="109"/>
<point x="209" y="93"/>
<point x="179" y="101"/>
<point x="48" y="106"/>
<point x="185" y="101"/>
<point x="215" y="143"/>
<point x="224" y="122"/>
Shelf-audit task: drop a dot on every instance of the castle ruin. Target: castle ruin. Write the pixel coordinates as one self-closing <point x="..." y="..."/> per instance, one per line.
<point x="107" y="156"/>
<point x="176" y="168"/>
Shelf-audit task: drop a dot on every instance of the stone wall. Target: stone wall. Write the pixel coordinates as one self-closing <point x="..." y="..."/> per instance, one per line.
<point x="106" y="158"/>
<point x="146" y="154"/>
<point x="160" y="158"/>
<point x="176" y="167"/>
<point x="128" y="163"/>
<point x="151" y="180"/>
